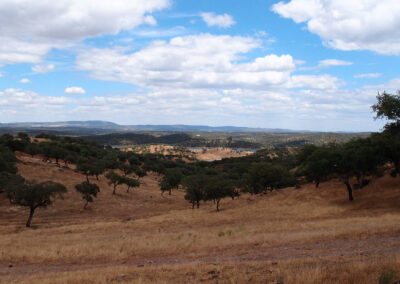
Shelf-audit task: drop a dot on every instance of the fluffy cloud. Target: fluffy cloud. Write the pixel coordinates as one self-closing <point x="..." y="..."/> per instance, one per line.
<point x="201" y="61"/>
<point x="43" y="68"/>
<point x="150" y="20"/>
<point x="20" y="51"/>
<point x="368" y="75"/>
<point x="349" y="25"/>
<point x="266" y="108"/>
<point x="73" y="19"/>
<point x="29" y="29"/>
<point x="222" y="21"/>
<point x="23" y="105"/>
<point x="24" y="81"/>
<point x="75" y="91"/>
<point x="333" y="62"/>
<point x="321" y="82"/>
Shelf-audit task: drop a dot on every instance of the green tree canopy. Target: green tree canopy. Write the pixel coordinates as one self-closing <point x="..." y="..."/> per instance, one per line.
<point x="33" y="195"/>
<point x="388" y="107"/>
<point x="88" y="191"/>
<point x="194" y="187"/>
<point x="114" y="179"/>
<point x="217" y="188"/>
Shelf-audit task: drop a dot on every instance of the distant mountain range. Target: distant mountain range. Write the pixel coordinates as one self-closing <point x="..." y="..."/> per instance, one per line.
<point x="62" y="124"/>
<point x="105" y="125"/>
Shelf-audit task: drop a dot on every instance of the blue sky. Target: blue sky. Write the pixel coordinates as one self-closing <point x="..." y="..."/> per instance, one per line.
<point x="299" y="64"/>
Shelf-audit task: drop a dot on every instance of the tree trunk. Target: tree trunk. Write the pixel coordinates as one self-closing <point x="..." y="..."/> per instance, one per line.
<point x="86" y="204"/>
<point x="358" y="178"/>
<point x="349" y="190"/>
<point x="193" y="205"/>
<point x="198" y="204"/>
<point x="218" y="204"/>
<point x="87" y="178"/>
<point x="115" y="188"/>
<point x="127" y="190"/>
<point x="28" y="223"/>
<point x="317" y="183"/>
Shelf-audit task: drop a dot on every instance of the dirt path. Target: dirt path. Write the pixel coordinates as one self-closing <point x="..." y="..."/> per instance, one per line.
<point x="376" y="245"/>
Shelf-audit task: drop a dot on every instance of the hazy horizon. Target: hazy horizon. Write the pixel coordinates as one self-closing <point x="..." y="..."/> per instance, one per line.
<point x="187" y="126"/>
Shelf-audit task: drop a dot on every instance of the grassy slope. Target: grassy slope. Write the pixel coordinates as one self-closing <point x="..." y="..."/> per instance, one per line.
<point x="293" y="235"/>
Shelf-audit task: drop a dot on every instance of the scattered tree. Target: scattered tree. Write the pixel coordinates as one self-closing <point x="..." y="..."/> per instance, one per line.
<point x="388" y="107"/>
<point x="130" y="182"/>
<point x="194" y="187"/>
<point x="218" y="188"/>
<point x="114" y="179"/>
<point x="88" y="191"/>
<point x="33" y="195"/>
<point x="171" y="179"/>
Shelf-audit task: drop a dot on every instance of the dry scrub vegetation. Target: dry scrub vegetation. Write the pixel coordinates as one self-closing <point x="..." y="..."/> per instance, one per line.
<point x="304" y="235"/>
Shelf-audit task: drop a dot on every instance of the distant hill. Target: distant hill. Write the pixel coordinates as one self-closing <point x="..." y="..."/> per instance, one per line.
<point x="204" y="128"/>
<point x="109" y="133"/>
<point x="98" y="124"/>
<point x="62" y="124"/>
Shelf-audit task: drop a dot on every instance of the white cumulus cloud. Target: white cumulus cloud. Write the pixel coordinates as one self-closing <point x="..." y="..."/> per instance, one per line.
<point x="334" y="62"/>
<point x="222" y="21"/>
<point x="24" y="81"/>
<point x="43" y="68"/>
<point x="201" y="61"/>
<point x="73" y="19"/>
<point x="368" y="75"/>
<point x="19" y="51"/>
<point x="349" y="25"/>
<point x="150" y="20"/>
<point x="75" y="91"/>
<point x="30" y="29"/>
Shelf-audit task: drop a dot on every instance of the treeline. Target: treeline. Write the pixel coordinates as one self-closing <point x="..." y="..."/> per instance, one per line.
<point x="181" y="139"/>
<point x="255" y="174"/>
<point x="138" y="138"/>
<point x="362" y="158"/>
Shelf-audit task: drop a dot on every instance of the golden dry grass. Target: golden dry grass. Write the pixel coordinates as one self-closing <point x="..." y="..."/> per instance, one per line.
<point x="218" y="153"/>
<point x="302" y="235"/>
<point x="203" y="154"/>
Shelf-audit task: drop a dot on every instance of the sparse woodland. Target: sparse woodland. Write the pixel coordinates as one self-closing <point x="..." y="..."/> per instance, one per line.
<point x="266" y="170"/>
<point x="351" y="166"/>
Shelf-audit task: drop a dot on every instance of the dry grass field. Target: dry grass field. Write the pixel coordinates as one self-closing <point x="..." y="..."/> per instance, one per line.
<point x="304" y="235"/>
<point x="203" y="154"/>
<point x="218" y="153"/>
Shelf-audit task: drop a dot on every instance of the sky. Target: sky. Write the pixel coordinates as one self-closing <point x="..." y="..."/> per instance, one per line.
<point x="298" y="64"/>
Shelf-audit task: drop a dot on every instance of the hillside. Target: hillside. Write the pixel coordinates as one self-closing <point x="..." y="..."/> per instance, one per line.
<point x="184" y="135"/>
<point x="289" y="236"/>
